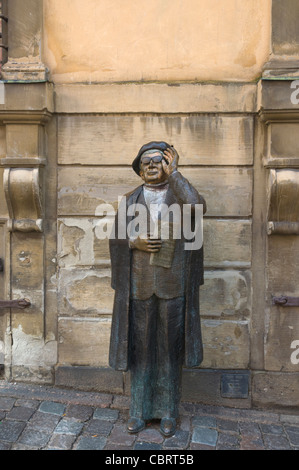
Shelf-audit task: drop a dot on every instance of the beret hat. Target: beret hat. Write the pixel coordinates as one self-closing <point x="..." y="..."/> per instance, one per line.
<point x="150" y="146"/>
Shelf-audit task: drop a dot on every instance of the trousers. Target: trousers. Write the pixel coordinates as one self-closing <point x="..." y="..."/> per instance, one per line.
<point x="156" y="354"/>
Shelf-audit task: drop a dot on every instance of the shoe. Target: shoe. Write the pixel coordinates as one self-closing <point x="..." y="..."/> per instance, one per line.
<point x="135" y="425"/>
<point x="168" y="426"/>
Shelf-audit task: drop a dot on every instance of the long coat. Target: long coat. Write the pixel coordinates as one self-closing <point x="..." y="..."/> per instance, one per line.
<point x="120" y="254"/>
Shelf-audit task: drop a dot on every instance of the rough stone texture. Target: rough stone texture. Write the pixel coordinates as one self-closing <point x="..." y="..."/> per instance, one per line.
<point x="86" y="426"/>
<point x="285" y="40"/>
<point x="90" y="378"/>
<point x="280" y="389"/>
<point x="81" y="132"/>
<point x="200" y="50"/>
<point x="201" y="139"/>
<point x="81" y="191"/>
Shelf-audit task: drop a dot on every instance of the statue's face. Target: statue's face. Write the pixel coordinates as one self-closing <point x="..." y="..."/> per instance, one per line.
<point x="151" y="171"/>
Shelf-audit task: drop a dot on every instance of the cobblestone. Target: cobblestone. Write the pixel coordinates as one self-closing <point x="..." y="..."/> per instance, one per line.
<point x="20" y="413"/>
<point x="80" y="412"/>
<point x="34" y="417"/>
<point x="205" y="436"/>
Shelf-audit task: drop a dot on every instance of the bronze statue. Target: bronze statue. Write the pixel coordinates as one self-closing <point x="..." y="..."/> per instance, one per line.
<point x="156" y="324"/>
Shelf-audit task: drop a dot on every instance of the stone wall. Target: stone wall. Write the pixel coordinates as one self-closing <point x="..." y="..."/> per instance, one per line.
<point x="95" y="150"/>
<point x="85" y="85"/>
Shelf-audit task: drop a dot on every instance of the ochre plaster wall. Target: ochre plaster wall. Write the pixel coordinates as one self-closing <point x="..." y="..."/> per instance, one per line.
<point x="133" y="40"/>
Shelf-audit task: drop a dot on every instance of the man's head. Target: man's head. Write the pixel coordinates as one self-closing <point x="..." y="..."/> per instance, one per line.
<point x="151" y="168"/>
<point x="148" y="163"/>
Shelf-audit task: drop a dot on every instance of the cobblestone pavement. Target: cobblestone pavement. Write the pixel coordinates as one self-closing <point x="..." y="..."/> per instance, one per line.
<point x="34" y="417"/>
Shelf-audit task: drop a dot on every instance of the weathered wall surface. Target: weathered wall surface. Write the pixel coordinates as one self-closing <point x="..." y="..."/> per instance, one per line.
<point x="123" y="74"/>
<point x="100" y="128"/>
<point x="157" y="40"/>
<point x="94" y="152"/>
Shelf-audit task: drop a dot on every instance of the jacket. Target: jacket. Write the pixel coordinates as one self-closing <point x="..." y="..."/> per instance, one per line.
<point x="121" y="262"/>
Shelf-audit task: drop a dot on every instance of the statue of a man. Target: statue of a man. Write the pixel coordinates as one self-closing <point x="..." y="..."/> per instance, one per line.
<point x="155" y="324"/>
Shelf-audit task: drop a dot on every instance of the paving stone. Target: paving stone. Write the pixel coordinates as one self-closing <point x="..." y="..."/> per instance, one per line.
<point x="293" y="434"/>
<point x="91" y="443"/>
<point x="227" y="425"/>
<point x="98" y="426"/>
<point x="69" y="426"/>
<point x="34" y="437"/>
<point x="52" y="407"/>
<point x="44" y="421"/>
<point x="20" y="413"/>
<point x="147" y="446"/>
<point x="271" y="428"/>
<point x="273" y="442"/>
<point x="6" y="404"/>
<point x="249" y="429"/>
<point x="11" y="430"/>
<point x="185" y="423"/>
<point x="5" y="446"/>
<point x="27" y="403"/>
<point x="290" y="419"/>
<point x="116" y="447"/>
<point x="250" y="442"/>
<point x="121" y="402"/>
<point x="18" y="446"/>
<point x="119" y="435"/>
<point x="189" y="409"/>
<point x="204" y="436"/>
<point x="71" y="420"/>
<point x="205" y="421"/>
<point x="61" y="442"/>
<point x="81" y="412"/>
<point x="227" y="441"/>
<point x="106" y="414"/>
<point x="150" y="435"/>
<point x="195" y="446"/>
<point x="178" y="441"/>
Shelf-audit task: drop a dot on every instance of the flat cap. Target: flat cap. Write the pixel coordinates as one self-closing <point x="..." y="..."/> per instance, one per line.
<point x="150" y="146"/>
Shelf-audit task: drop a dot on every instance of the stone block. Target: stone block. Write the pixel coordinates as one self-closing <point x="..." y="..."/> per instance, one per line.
<point x="275" y="389"/>
<point x="84" y="341"/>
<point x="24" y="140"/>
<point x="227" y="243"/>
<point x="203" y="386"/>
<point x="106" y="414"/>
<point x="146" y="97"/>
<point x="91" y="443"/>
<point x="281" y="271"/>
<point x="80" y="242"/>
<point x="11" y="430"/>
<point x="52" y="408"/>
<point x="200" y="140"/>
<point x="283" y="142"/>
<point x="80" y="190"/>
<point x="285" y="36"/>
<point x="226" y="293"/>
<point x="69" y="426"/>
<point x="205" y="436"/>
<point x="102" y="379"/>
<point x="85" y="292"/>
<point x="282" y="331"/>
<point x="226" y="344"/>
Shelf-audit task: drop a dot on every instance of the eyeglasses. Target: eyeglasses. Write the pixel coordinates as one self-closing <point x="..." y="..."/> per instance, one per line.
<point x="155" y="159"/>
